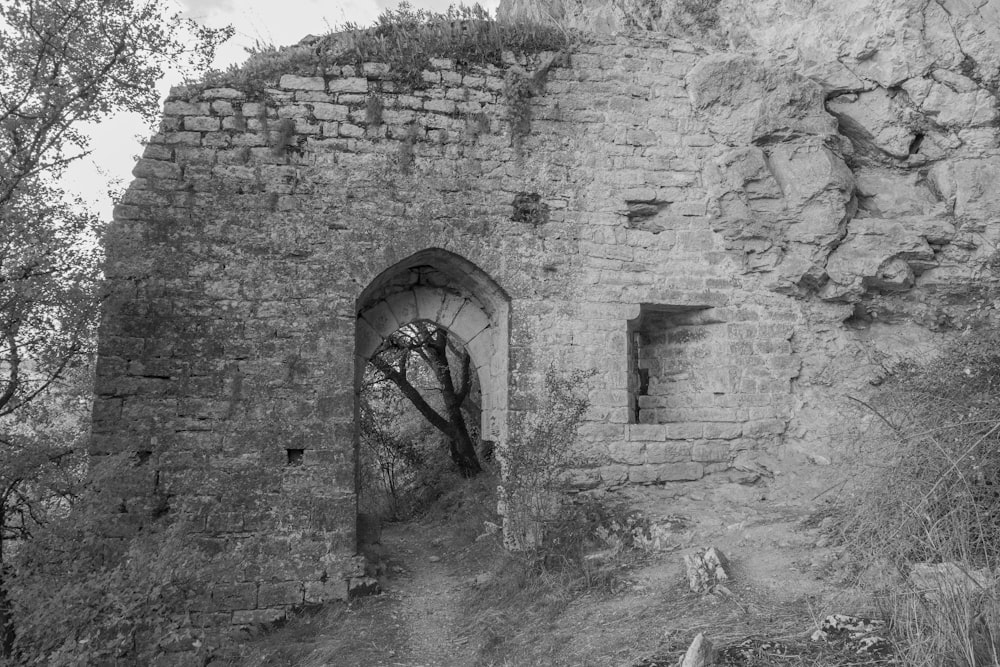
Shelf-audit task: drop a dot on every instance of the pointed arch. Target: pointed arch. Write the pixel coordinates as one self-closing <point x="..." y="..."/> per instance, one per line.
<point x="438" y="286"/>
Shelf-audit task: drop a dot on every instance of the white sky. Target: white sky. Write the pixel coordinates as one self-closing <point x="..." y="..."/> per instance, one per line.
<point x="116" y="141"/>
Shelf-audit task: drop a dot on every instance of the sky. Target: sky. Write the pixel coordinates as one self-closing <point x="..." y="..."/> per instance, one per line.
<point x="116" y="142"/>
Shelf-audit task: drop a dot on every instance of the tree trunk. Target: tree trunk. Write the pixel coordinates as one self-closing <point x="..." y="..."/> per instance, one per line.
<point x="463" y="451"/>
<point x="6" y="620"/>
<point x="431" y="343"/>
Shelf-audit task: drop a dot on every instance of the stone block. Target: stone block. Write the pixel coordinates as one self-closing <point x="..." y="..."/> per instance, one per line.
<point x="349" y="85"/>
<point x="710" y="452"/>
<point x="194" y="155"/>
<point x="201" y="123"/>
<point x="630" y="453"/>
<point x="680" y="472"/>
<point x="223" y="93"/>
<point x="292" y="82"/>
<point x="469" y="322"/>
<point x="216" y="139"/>
<point x="228" y="597"/>
<point x="723" y="431"/>
<point x="326" y="111"/>
<point x="157" y="152"/>
<point x="644" y="474"/>
<point x="179" y="108"/>
<point x="683" y="431"/>
<point x="667" y="452"/>
<point x="440" y="106"/>
<point x="156" y="169"/>
<point x="763" y="427"/>
<point x="282" y="593"/>
<point x="349" y="130"/>
<point x="381" y="319"/>
<point x="403" y="306"/>
<point x="189" y="138"/>
<point x="613" y="475"/>
<point x="367" y="339"/>
<point x="429" y="302"/>
<point x="480" y="348"/>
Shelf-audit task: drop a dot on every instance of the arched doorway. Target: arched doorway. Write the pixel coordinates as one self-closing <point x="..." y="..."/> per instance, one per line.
<point x="438" y="287"/>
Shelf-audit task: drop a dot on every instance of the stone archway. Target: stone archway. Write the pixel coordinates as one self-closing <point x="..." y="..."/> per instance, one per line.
<point x="441" y="287"/>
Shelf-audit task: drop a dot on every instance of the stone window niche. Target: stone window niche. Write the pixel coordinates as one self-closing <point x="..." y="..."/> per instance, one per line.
<point x="676" y="363"/>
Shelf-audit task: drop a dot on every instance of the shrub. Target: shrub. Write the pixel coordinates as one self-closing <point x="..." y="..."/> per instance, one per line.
<point x="81" y="598"/>
<point x="932" y="496"/>
<point x="86" y="591"/>
<point x="538" y="460"/>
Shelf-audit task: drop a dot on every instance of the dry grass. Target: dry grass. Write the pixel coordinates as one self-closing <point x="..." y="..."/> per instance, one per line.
<point x="930" y="495"/>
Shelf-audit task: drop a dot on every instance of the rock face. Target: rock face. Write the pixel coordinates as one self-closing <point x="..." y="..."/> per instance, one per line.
<point x="733" y="227"/>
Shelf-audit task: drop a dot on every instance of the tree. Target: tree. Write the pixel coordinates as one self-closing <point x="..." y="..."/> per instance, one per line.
<point x="427" y="342"/>
<point x="63" y="63"/>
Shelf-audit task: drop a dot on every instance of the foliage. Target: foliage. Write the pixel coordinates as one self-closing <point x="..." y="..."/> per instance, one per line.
<point x="933" y="496"/>
<point x="62" y="64"/>
<point x="538" y="459"/>
<point x="104" y="585"/>
<point x="939" y="449"/>
<point x="406" y="39"/>
<point x="519" y="89"/>
<point x="81" y="597"/>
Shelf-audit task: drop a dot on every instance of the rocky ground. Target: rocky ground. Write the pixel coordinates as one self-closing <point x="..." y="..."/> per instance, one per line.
<point x="787" y="576"/>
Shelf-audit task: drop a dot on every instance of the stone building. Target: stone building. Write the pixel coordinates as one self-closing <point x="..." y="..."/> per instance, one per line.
<point x="736" y="213"/>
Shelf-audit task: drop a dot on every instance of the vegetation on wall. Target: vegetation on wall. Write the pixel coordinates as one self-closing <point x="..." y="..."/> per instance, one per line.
<point x="404" y="38"/>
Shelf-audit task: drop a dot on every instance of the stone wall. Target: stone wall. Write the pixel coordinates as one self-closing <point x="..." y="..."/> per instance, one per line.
<point x="695" y="226"/>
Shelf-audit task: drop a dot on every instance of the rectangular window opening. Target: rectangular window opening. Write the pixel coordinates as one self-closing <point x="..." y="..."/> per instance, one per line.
<point x="674" y="361"/>
<point x="295" y="456"/>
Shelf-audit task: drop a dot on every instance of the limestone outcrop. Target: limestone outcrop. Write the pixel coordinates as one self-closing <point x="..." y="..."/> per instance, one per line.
<point x="829" y="114"/>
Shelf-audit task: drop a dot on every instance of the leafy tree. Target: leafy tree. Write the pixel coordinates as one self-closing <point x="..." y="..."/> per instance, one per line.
<point x="451" y="367"/>
<point x="63" y="63"/>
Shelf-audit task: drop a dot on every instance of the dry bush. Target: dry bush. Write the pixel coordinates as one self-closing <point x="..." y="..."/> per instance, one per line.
<point x="931" y="495"/>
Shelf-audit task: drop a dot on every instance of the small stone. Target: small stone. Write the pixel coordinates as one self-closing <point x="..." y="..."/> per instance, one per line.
<point x="434" y="559"/>
<point x="700" y="653"/>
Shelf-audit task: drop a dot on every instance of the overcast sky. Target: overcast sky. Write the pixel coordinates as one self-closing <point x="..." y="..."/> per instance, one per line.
<point x="116" y="141"/>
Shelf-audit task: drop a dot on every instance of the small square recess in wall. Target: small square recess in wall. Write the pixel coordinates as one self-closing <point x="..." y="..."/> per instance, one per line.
<point x="295" y="456"/>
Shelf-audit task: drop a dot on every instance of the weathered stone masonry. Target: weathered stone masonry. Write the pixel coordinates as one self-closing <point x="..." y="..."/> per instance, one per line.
<point x="676" y="220"/>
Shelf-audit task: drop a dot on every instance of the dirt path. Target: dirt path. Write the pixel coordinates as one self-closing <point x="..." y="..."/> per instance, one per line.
<point x="780" y="588"/>
<point x="413" y="623"/>
<point x="428" y="591"/>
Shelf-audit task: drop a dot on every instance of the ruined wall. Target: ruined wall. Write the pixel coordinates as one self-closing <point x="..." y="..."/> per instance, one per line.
<point x="696" y="225"/>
